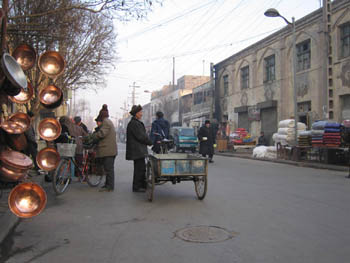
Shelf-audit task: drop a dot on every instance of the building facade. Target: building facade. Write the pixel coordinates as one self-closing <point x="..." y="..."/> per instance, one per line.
<point x="254" y="88"/>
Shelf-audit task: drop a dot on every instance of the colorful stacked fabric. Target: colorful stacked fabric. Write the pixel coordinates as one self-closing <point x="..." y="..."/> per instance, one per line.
<point x="346" y="133"/>
<point x="317" y="133"/>
<point x="304" y="138"/>
<point x="332" y="134"/>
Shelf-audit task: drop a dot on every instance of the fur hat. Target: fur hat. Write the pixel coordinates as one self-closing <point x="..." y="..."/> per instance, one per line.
<point x="207" y="122"/>
<point x="135" y="109"/>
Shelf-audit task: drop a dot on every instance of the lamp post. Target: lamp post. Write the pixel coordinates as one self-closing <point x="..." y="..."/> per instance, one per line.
<point x="271" y="12"/>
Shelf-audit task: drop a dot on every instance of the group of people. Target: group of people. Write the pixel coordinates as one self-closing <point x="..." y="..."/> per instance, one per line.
<point x="137" y="140"/>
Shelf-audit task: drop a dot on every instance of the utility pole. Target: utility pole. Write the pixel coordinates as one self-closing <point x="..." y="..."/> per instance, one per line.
<point x="212" y="87"/>
<point x="133" y="100"/>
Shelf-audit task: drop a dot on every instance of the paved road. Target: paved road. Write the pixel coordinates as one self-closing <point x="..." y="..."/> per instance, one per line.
<point x="275" y="213"/>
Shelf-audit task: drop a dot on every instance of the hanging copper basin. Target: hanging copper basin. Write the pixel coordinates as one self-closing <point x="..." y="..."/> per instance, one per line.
<point x="49" y="129"/>
<point x="22" y="119"/>
<point x="27" y="200"/>
<point x="51" y="63"/>
<point x="14" y="165"/>
<point x="48" y="159"/>
<point x="12" y="127"/>
<point x="25" y="56"/>
<point x="51" y="96"/>
<point x="23" y="96"/>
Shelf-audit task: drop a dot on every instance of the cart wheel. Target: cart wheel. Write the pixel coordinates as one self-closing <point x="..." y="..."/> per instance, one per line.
<point x="150" y="182"/>
<point x="200" y="185"/>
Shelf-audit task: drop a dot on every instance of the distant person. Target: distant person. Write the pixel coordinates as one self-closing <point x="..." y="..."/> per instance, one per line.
<point x="206" y="139"/>
<point x="77" y="121"/>
<point x="106" y="149"/>
<point x="32" y="145"/>
<point x="262" y="141"/>
<point x="160" y="130"/>
<point x="136" y="148"/>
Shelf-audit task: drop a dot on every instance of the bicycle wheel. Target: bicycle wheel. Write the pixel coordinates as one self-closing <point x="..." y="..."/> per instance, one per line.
<point x="62" y="176"/>
<point x="92" y="177"/>
<point x="200" y="185"/>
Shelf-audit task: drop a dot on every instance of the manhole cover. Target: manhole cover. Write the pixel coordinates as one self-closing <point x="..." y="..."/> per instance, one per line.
<point x="204" y="234"/>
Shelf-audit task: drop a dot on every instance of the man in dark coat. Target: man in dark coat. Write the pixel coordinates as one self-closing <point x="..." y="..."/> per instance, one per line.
<point x="159" y="131"/>
<point x="206" y="138"/>
<point x="77" y="120"/>
<point x="136" y="148"/>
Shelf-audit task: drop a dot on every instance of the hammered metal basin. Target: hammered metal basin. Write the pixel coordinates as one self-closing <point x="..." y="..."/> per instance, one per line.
<point x="14" y="165"/>
<point x="50" y="96"/>
<point x="27" y="200"/>
<point x="49" y="129"/>
<point x="25" y="56"/>
<point x="51" y="63"/>
<point x="48" y="159"/>
<point x="23" y="96"/>
<point x="12" y="127"/>
<point x="22" y="119"/>
<point x="13" y="71"/>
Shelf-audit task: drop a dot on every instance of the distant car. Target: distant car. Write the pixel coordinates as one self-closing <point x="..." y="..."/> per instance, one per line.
<point x="184" y="139"/>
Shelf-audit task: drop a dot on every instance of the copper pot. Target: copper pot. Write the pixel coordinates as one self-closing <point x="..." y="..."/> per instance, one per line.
<point x="51" y="96"/>
<point x="12" y="127"/>
<point x="27" y="200"/>
<point x="49" y="129"/>
<point x="25" y="56"/>
<point x="48" y="159"/>
<point x="14" y="165"/>
<point x="23" y="96"/>
<point x="51" y="63"/>
<point x="22" y="119"/>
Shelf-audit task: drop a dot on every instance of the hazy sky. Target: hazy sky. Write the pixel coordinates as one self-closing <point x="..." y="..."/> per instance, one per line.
<point x="195" y="32"/>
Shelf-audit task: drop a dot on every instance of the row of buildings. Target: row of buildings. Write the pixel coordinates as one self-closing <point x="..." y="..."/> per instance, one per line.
<point x="254" y="88"/>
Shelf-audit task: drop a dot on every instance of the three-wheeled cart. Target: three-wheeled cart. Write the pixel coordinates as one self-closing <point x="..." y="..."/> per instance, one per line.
<point x="175" y="168"/>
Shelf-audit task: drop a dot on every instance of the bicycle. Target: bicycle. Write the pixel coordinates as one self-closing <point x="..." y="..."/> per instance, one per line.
<point x="66" y="168"/>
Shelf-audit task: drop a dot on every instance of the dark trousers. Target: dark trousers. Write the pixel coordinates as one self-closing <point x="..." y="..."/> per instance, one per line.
<point x="210" y="156"/>
<point x="139" y="180"/>
<point x="108" y="166"/>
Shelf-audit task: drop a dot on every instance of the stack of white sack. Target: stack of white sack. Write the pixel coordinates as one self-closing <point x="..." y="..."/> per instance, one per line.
<point x="286" y="132"/>
<point x="267" y="152"/>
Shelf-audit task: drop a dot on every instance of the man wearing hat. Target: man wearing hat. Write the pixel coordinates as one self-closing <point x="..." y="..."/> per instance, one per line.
<point x="106" y="149"/>
<point x="206" y="138"/>
<point x="136" y="148"/>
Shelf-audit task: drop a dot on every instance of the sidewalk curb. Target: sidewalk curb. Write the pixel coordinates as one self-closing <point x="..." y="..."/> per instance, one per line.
<point x="301" y="164"/>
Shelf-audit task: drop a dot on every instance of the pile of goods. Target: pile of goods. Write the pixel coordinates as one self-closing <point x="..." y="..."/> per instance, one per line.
<point x="304" y="138"/>
<point x="317" y="133"/>
<point x="265" y="152"/>
<point x="286" y="131"/>
<point x="332" y="135"/>
<point x="241" y="137"/>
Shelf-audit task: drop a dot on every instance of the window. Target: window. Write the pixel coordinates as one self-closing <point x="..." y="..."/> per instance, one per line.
<point x="245" y="77"/>
<point x="303" y="55"/>
<point x="225" y="85"/>
<point x="269" y="68"/>
<point x="345" y="40"/>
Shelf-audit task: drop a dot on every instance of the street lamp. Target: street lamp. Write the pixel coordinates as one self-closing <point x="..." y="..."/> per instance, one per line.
<point x="271" y="12"/>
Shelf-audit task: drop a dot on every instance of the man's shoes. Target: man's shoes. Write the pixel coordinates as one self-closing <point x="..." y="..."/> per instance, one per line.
<point x="139" y="190"/>
<point x="106" y="189"/>
<point x="211" y="161"/>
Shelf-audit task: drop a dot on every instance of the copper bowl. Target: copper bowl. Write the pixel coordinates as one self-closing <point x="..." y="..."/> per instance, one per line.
<point x="27" y="200"/>
<point x="50" y="96"/>
<point x="22" y="119"/>
<point x="48" y="159"/>
<point x="23" y="96"/>
<point x="25" y="56"/>
<point x="51" y="63"/>
<point x="49" y="129"/>
<point x="14" y="165"/>
<point x="12" y="127"/>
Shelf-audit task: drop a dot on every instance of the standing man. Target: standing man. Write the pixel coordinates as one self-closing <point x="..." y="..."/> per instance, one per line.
<point x="206" y="138"/>
<point x="136" y="148"/>
<point x="106" y="149"/>
<point x="262" y="140"/>
<point x="159" y="131"/>
<point x="77" y="121"/>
